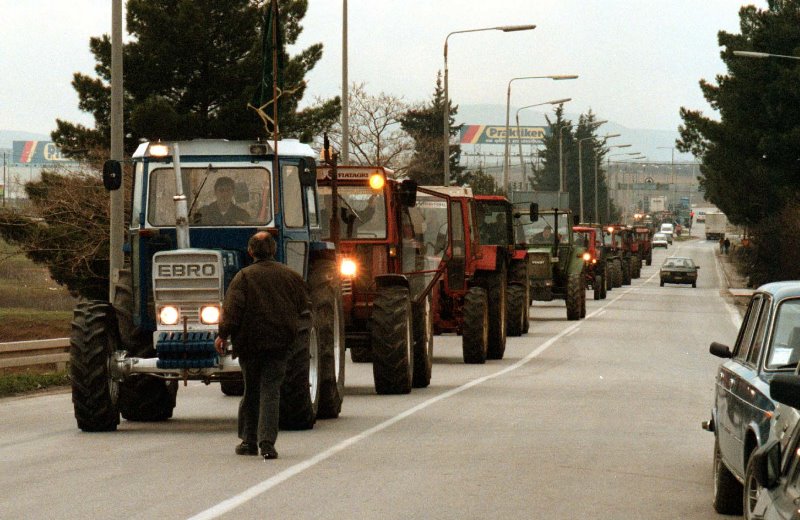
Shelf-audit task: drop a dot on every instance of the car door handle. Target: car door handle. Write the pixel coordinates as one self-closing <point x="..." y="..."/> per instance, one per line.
<point x="731" y="382"/>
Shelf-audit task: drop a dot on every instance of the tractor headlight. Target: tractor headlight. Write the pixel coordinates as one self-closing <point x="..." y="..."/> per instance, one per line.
<point x="376" y="181"/>
<point x="587" y="257"/>
<point x="209" y="314"/>
<point x="168" y="315"/>
<point x="348" y="267"/>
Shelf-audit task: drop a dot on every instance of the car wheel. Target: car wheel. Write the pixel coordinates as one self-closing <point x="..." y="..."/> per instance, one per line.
<point x="662" y="283"/>
<point x="751" y="489"/>
<point x="727" y="490"/>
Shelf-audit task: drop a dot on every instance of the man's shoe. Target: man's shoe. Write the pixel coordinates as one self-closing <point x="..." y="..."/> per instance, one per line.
<point x="269" y="453"/>
<point x="247" y="448"/>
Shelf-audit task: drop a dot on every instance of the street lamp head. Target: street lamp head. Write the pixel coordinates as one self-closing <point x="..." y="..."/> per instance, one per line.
<point x="750" y="54"/>
<point x="598" y="123"/>
<point x="609" y="136"/>
<point x="559" y="77"/>
<point x="621" y="146"/>
<point x="514" y="28"/>
<point x="559" y="101"/>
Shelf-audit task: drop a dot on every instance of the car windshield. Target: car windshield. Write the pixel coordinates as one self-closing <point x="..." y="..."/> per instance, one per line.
<point x="785" y="345"/>
<point x="679" y="262"/>
<point x="659" y="236"/>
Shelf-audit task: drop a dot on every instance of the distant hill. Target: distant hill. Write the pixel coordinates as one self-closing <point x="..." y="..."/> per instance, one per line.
<point x="8" y="136"/>
<point x="643" y="141"/>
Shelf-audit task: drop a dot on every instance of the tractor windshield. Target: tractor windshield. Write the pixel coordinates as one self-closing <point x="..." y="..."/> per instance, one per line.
<point x="425" y="237"/>
<point x="493" y="221"/>
<point x="541" y="232"/>
<point x="215" y="196"/>
<point x="362" y="212"/>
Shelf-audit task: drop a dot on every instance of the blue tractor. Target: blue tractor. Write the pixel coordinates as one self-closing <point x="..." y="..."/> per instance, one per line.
<point x="194" y="205"/>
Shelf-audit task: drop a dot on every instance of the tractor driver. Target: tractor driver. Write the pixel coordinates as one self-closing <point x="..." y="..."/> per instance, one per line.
<point x="224" y="210"/>
<point x="545" y="236"/>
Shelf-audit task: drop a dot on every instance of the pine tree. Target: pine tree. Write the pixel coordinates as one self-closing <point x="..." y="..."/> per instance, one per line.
<point x="425" y="126"/>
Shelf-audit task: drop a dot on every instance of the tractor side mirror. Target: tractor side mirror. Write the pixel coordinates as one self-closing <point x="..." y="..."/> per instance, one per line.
<point x="408" y="193"/>
<point x="534" y="212"/>
<point x="576" y="219"/>
<point x="112" y="175"/>
<point x="308" y="172"/>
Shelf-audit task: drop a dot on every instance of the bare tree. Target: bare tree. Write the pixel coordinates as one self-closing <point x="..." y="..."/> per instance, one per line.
<point x="376" y="138"/>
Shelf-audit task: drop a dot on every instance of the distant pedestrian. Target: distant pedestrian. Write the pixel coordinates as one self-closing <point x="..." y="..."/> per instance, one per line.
<point x="727" y="244"/>
<point x="261" y="316"/>
<point x="721" y="245"/>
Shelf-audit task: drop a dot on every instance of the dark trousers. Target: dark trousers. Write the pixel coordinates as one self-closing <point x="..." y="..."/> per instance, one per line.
<point x="263" y="375"/>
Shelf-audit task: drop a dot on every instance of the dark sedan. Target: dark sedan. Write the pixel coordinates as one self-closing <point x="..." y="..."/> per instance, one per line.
<point x="745" y="414"/>
<point x="679" y="270"/>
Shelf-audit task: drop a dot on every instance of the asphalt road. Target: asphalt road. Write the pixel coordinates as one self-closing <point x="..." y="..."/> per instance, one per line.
<point x="592" y="419"/>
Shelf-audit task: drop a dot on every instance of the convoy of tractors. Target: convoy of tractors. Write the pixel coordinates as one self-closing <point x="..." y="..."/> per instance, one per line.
<point x="389" y="265"/>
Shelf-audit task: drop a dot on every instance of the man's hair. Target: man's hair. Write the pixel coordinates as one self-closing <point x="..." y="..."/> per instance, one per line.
<point x="262" y="246"/>
<point x="224" y="182"/>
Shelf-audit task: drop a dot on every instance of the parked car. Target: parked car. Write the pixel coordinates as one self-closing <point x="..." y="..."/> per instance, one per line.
<point x="677" y="269"/>
<point x="701" y="216"/>
<point x="660" y="240"/>
<point x="775" y="466"/>
<point x="744" y="414"/>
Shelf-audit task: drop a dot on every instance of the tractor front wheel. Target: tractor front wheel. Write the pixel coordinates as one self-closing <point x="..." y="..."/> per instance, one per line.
<point x="392" y="341"/>
<point x="475" y="331"/>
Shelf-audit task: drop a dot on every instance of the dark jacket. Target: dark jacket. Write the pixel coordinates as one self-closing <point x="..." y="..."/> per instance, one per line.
<point x="211" y="216"/>
<point x="262" y="308"/>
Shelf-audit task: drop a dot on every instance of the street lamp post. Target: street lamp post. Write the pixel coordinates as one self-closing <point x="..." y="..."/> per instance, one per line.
<point x="115" y="242"/>
<point x="446" y="108"/>
<point x="596" y="186"/>
<point x="519" y="135"/>
<point x="674" y="177"/>
<point x="751" y="54"/>
<point x="556" y="77"/>
<point x="608" y="167"/>
<point x="345" y="91"/>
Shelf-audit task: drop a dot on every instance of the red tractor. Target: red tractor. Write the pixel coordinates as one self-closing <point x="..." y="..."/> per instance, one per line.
<point x="392" y="239"/>
<point x="596" y="272"/>
<point x="471" y="300"/>
<point x="643" y="237"/>
<point x="495" y="212"/>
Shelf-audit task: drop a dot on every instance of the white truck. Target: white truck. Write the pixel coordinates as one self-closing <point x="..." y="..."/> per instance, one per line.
<point x="658" y="204"/>
<point x="716" y="225"/>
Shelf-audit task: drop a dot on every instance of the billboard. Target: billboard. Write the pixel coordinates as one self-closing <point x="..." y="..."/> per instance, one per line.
<point x="37" y="152"/>
<point x="496" y="134"/>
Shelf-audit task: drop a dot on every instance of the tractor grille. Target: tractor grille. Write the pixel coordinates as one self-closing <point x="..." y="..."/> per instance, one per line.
<point x="539" y="265"/>
<point x="187" y="279"/>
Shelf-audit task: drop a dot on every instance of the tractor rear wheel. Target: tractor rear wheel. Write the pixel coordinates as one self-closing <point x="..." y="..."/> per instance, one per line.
<point x="91" y="348"/>
<point x="516" y="310"/>
<point x="583" y="296"/>
<point x="232" y="387"/>
<point x="495" y="285"/>
<point x="617" y="265"/>
<point x="598" y="285"/>
<point x="475" y="332"/>
<point x="329" y="321"/>
<point x="300" y="390"/>
<point x="423" y="343"/>
<point x="392" y="342"/>
<point x="626" y="272"/>
<point x="519" y="273"/>
<point x="573" y="299"/>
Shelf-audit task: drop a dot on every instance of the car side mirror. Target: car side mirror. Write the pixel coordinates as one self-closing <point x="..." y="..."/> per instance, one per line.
<point x="785" y="388"/>
<point x="408" y="193"/>
<point x="767" y="464"/>
<point x="720" y="350"/>
<point x="534" y="211"/>
<point x="112" y="175"/>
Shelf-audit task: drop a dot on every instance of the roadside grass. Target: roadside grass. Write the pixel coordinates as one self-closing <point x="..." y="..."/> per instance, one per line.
<point x="32" y="306"/>
<point x="23" y="383"/>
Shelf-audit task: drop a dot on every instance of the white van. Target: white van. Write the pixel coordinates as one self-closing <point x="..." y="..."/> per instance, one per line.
<point x="668" y="230"/>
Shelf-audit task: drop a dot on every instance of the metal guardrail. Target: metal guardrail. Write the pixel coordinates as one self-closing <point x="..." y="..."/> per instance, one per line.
<point x="33" y="353"/>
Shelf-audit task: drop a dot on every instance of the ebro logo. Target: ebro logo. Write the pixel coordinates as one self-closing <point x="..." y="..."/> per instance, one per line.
<point x="186" y="270"/>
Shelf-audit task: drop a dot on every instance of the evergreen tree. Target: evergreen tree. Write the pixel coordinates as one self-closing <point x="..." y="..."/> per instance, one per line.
<point x="547" y="178"/>
<point x="425" y="126"/>
<point x="190" y="69"/>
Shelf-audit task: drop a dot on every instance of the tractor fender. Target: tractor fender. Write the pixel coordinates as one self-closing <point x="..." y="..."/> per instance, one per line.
<point x="576" y="263"/>
<point x="492" y="258"/>
<point x="391" y="280"/>
<point x="519" y="254"/>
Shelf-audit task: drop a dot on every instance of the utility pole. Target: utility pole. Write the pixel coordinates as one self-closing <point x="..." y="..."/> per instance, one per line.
<point x="345" y="91"/>
<point x="117" y="223"/>
<point x="5" y="177"/>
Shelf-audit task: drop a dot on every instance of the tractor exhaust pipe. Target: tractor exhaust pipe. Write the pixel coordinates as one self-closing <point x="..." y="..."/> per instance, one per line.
<point x="181" y="207"/>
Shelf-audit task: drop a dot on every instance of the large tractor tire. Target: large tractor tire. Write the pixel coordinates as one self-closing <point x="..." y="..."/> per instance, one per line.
<point x="423" y="342"/>
<point x="626" y="272"/>
<point x="232" y="387"/>
<point x="301" y="390"/>
<point x="519" y="273"/>
<point x="91" y="348"/>
<point x="598" y="286"/>
<point x="495" y="285"/>
<point x="608" y="274"/>
<point x="142" y="397"/>
<point x="360" y="354"/>
<point x="573" y="298"/>
<point x="617" y="264"/>
<point x="326" y="301"/>
<point x="516" y="310"/>
<point x="392" y="341"/>
<point x="475" y="332"/>
<point x="636" y="266"/>
<point x="649" y="257"/>
<point x="583" y="297"/>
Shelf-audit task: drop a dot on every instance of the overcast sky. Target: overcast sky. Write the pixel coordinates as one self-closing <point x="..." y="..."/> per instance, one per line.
<point x="638" y="60"/>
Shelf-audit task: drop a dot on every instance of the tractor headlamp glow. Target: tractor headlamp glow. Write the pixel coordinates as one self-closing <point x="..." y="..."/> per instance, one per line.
<point x="376" y="181"/>
<point x="158" y="150"/>
<point x="168" y="315"/>
<point x="610" y="229"/>
<point x="347" y="267"/>
<point x="587" y="257"/>
<point x="209" y="315"/>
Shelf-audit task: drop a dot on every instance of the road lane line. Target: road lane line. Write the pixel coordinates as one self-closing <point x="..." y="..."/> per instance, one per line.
<point x="262" y="487"/>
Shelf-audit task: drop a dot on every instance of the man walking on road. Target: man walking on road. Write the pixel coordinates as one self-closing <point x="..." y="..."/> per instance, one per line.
<point x="261" y="316"/>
